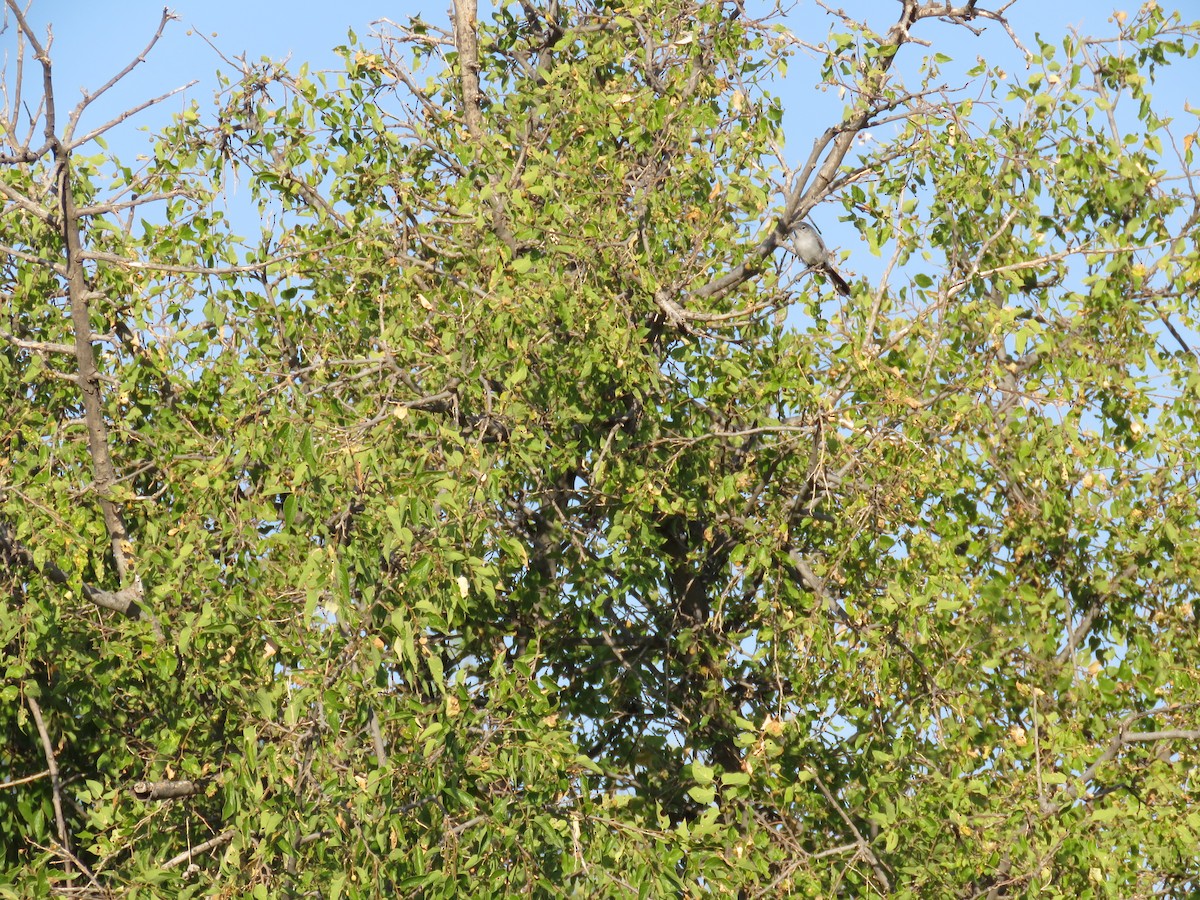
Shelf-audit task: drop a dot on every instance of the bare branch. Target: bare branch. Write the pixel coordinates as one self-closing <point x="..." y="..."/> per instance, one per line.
<point x="26" y="780"/>
<point x="814" y="583"/>
<point x="133" y="111"/>
<point x="89" y="99"/>
<point x="141" y="200"/>
<point x="1085" y="624"/>
<point x="223" y="838"/>
<point x="1147" y="737"/>
<point x="34" y="209"/>
<point x="1124" y="737"/>
<point x="12" y="551"/>
<point x="102" y="463"/>
<point x="146" y="791"/>
<point x="26" y="156"/>
<point x="41" y="54"/>
<point x="864" y="848"/>
<point x="57" y="268"/>
<point x="139" y="265"/>
<point x="381" y="757"/>
<point x="468" y="66"/>
<point x="40" y="346"/>
<point x="64" y="836"/>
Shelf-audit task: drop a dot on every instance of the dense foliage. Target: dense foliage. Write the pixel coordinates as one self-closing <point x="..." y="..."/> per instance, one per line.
<point x="513" y="516"/>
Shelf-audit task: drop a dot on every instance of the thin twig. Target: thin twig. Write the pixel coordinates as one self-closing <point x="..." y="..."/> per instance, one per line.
<point x="28" y="778"/>
<point x="863" y="847"/>
<point x="249" y="268"/>
<point x="223" y="838"/>
<point x="129" y="113"/>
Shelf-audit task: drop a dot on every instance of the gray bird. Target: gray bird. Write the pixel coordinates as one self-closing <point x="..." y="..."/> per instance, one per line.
<point x="809" y="247"/>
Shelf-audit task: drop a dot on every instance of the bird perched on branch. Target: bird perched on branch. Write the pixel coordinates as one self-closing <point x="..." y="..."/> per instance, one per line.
<point x="807" y="243"/>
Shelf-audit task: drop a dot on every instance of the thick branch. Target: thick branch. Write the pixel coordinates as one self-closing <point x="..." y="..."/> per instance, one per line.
<point x="140" y="200"/>
<point x="39" y="346"/>
<point x="813" y="582"/>
<point x="88" y="378"/>
<point x="8" y="250"/>
<point x="164" y="790"/>
<point x="123" y="601"/>
<point x="468" y="67"/>
<point x="468" y="64"/>
<point x="34" y="209"/>
<point x="89" y="382"/>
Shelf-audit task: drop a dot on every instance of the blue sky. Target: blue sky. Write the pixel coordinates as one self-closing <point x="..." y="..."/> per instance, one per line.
<point x="92" y="41"/>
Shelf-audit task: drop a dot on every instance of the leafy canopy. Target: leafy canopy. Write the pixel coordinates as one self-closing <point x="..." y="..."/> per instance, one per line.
<point x="512" y="515"/>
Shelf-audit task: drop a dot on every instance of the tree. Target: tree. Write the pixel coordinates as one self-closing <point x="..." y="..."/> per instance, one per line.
<point x="512" y="516"/>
